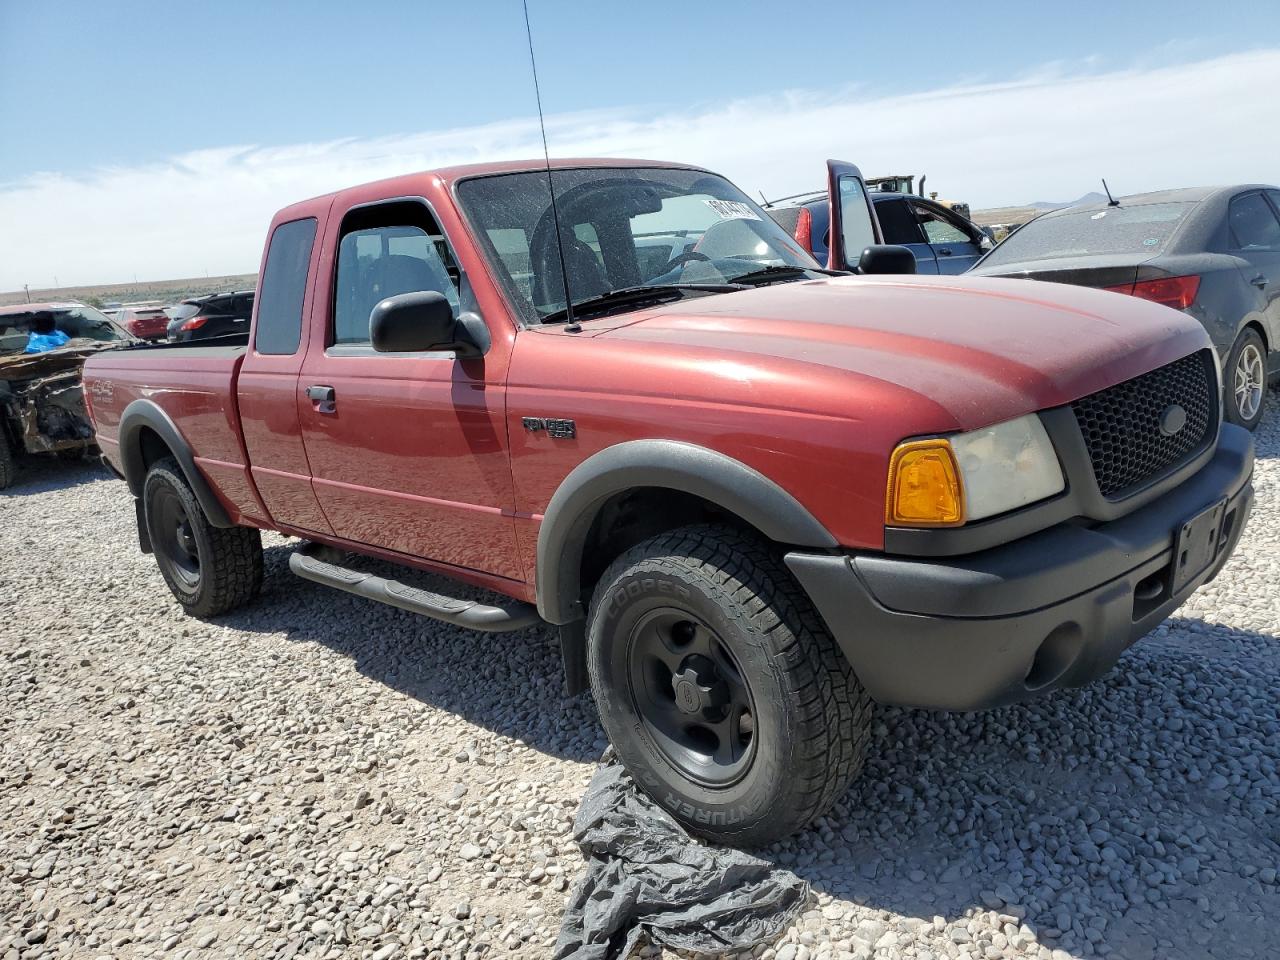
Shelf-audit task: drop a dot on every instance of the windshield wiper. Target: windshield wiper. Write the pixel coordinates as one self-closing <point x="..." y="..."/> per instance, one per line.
<point x="781" y="272"/>
<point x="645" y="293"/>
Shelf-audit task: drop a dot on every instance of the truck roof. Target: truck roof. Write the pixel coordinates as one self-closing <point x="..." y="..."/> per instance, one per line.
<point x="408" y="184"/>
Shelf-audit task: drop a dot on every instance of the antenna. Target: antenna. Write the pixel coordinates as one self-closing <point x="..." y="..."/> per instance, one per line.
<point x="1111" y="201"/>
<point x="546" y="153"/>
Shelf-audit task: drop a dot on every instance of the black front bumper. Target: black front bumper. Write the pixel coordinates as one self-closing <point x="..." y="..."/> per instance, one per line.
<point x="1054" y="609"/>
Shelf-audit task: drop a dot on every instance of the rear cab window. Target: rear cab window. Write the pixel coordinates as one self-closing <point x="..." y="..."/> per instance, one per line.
<point x="283" y="287"/>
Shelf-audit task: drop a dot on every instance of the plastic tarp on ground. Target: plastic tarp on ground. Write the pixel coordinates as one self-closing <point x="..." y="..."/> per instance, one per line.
<point x="647" y="877"/>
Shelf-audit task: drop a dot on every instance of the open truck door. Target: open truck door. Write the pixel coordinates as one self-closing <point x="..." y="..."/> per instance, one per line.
<point x="855" y="241"/>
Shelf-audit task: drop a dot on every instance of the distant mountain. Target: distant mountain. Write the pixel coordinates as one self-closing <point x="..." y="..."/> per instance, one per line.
<point x="1092" y="197"/>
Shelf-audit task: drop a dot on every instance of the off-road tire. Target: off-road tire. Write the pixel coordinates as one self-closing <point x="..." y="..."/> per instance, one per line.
<point x="1247" y="340"/>
<point x="229" y="559"/>
<point x="8" y="464"/>
<point x="811" y="716"/>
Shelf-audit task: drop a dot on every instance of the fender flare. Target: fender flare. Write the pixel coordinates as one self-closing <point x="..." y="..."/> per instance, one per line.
<point x="669" y="464"/>
<point x="146" y="413"/>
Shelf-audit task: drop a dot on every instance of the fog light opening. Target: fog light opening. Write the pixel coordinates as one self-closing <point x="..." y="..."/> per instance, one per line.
<point x="1150" y="592"/>
<point x="1057" y="655"/>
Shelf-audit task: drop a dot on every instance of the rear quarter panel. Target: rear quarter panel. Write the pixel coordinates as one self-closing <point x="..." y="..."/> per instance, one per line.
<point x="194" y="388"/>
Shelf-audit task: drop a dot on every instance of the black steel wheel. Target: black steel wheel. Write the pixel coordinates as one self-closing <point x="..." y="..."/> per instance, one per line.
<point x="173" y="536"/>
<point x="208" y="569"/>
<point x="721" y="689"/>
<point x="690" y="693"/>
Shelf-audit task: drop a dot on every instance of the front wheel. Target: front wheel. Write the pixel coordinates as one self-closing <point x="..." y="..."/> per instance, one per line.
<point x="1246" y="380"/>
<point x="209" y="569"/>
<point x="722" y="691"/>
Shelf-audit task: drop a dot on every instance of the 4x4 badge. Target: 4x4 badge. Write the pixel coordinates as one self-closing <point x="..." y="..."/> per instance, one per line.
<point x="559" y="429"/>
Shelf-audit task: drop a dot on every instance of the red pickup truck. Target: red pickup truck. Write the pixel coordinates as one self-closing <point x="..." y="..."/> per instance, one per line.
<point x="754" y="495"/>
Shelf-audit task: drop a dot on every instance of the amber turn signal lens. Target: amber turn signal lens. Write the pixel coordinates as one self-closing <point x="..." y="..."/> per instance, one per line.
<point x="924" y="486"/>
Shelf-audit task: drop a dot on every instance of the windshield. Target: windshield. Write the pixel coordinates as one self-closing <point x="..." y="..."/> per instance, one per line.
<point x="621" y="228"/>
<point x="1143" y="229"/>
<point x="82" y="322"/>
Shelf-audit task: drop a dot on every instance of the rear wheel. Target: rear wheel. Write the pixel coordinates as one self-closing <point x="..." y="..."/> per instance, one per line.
<point x="721" y="689"/>
<point x="1246" y="380"/>
<point x="8" y="465"/>
<point x="209" y="569"/>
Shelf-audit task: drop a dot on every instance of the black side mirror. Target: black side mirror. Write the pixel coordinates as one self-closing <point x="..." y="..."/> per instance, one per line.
<point x="417" y="323"/>
<point x="887" y="258"/>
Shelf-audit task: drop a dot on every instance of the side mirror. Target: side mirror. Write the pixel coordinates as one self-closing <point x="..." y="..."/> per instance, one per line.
<point x="417" y="323"/>
<point x="887" y="258"/>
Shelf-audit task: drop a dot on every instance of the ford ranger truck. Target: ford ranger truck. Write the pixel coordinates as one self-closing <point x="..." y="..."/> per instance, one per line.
<point x="754" y="495"/>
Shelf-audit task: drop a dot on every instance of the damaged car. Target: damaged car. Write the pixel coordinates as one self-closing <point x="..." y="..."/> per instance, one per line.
<point x="41" y="395"/>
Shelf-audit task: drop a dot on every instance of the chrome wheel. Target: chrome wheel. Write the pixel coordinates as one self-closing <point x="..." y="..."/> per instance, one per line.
<point x="1250" y="381"/>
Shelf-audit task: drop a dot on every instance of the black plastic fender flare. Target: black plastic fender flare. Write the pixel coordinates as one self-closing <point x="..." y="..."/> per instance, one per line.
<point x="669" y="464"/>
<point x="146" y="413"/>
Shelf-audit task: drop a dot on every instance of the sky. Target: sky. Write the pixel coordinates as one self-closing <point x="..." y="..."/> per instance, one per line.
<point x="155" y="140"/>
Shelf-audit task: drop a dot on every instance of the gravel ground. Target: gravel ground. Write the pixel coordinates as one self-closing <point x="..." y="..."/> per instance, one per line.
<point x="322" y="776"/>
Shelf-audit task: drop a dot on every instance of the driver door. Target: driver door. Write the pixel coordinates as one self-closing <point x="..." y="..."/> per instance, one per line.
<point x="952" y="242"/>
<point x="407" y="450"/>
<point x="854" y="226"/>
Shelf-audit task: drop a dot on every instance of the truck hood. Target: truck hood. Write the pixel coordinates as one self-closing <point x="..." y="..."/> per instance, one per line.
<point x="983" y="350"/>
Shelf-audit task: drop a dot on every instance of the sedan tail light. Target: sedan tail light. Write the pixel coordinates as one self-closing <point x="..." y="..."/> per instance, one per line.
<point x="1176" y="292"/>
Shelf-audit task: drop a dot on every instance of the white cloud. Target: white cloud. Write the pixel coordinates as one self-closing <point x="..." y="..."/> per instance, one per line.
<point x="1048" y="136"/>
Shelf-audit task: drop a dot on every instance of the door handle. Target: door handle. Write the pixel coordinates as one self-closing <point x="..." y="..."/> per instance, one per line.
<point x="323" y="396"/>
<point x="1259" y="281"/>
<point x="945" y="251"/>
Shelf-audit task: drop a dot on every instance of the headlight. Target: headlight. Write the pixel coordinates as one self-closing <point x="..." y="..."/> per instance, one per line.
<point x="947" y="481"/>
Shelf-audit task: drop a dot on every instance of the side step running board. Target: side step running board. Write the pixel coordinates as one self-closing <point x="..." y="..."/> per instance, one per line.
<point x="462" y="613"/>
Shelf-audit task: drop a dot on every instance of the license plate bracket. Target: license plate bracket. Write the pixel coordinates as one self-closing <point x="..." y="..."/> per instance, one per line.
<point x="1195" y="544"/>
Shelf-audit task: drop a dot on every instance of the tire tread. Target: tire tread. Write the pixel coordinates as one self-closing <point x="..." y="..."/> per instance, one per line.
<point x="832" y="708"/>
<point x="235" y="553"/>
<point x="8" y="463"/>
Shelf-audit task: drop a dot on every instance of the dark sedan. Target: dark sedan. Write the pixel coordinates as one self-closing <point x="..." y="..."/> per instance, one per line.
<point x="1211" y="252"/>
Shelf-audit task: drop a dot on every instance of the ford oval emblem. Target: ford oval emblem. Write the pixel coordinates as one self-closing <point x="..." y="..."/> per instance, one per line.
<point x="1173" y="419"/>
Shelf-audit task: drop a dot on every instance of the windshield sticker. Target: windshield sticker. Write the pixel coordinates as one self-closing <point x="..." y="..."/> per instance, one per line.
<point x="732" y="210"/>
<point x="1151" y="242"/>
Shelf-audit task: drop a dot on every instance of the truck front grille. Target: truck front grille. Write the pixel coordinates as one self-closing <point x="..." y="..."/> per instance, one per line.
<point x="1126" y="431"/>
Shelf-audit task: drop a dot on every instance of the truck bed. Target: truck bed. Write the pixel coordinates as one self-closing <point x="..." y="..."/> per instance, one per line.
<point x="231" y="346"/>
<point x="193" y="384"/>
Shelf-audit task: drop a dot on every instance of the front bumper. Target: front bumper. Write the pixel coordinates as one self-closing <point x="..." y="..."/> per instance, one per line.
<point x="1054" y="609"/>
